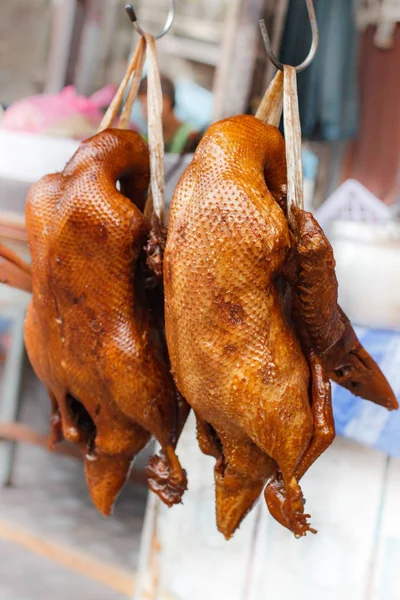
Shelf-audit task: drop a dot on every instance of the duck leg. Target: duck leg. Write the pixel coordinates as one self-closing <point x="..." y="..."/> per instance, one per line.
<point x="321" y="406"/>
<point x="240" y="473"/>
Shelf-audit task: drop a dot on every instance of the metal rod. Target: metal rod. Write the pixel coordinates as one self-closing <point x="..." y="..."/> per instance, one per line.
<point x="314" y="43"/>
<point x="130" y="11"/>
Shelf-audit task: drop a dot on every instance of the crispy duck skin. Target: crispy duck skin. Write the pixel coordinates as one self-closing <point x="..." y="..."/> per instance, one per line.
<point x="235" y="358"/>
<point x="89" y="332"/>
<point x="250" y="349"/>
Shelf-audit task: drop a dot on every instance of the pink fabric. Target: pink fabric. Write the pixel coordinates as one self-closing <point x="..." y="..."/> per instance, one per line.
<point x="37" y="114"/>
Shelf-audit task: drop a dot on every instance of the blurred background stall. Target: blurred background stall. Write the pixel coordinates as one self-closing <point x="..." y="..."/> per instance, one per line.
<point x="60" y="63"/>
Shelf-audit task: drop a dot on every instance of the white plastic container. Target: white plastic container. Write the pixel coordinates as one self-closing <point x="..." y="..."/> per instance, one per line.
<point x="368" y="270"/>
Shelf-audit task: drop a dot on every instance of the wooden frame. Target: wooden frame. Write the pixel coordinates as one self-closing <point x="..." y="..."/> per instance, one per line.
<point x="11" y="389"/>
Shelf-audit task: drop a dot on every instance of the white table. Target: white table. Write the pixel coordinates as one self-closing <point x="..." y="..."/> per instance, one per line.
<point x="353" y="495"/>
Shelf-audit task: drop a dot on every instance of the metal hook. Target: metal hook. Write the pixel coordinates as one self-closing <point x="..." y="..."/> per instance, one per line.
<point x="130" y="11"/>
<point x="314" y="44"/>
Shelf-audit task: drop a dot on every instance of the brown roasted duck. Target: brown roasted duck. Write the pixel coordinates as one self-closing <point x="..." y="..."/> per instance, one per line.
<point x="254" y="330"/>
<point x="90" y="334"/>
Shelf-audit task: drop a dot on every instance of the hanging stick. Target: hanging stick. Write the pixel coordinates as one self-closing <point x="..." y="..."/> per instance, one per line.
<point x="14" y="259"/>
<point x="291" y="124"/>
<point x="14" y="271"/>
<point x="133" y="90"/>
<point x="15" y="277"/>
<point x="148" y="207"/>
<point x="270" y="109"/>
<point x="156" y="138"/>
<point x="114" y="107"/>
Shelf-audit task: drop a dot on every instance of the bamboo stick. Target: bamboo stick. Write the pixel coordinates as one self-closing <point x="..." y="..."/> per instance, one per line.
<point x="156" y="137"/>
<point x="270" y="109"/>
<point x="292" y="129"/>
<point x="115" y="105"/>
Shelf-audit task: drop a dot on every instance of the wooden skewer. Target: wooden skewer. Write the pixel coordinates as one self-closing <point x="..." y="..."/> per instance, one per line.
<point x="270" y="109"/>
<point x="133" y="90"/>
<point x="111" y="576"/>
<point x="16" y="260"/>
<point x="156" y="138"/>
<point x="114" y="107"/>
<point x="155" y="104"/>
<point x="292" y="128"/>
<point x="14" y="277"/>
<point x="148" y="207"/>
<point x="282" y="93"/>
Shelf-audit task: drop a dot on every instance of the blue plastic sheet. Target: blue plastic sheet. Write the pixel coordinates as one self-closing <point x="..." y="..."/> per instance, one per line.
<point x="361" y="420"/>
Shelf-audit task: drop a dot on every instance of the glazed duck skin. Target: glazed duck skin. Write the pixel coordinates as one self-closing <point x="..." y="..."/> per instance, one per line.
<point x="88" y="331"/>
<point x="235" y="358"/>
<point x="254" y="330"/>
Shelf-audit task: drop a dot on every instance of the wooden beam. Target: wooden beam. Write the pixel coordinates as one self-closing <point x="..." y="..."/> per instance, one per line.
<point x="108" y="575"/>
<point x="90" y="54"/>
<point x="17" y="432"/>
<point x="12" y="227"/>
<point x="222" y="74"/>
<point x="195" y="50"/>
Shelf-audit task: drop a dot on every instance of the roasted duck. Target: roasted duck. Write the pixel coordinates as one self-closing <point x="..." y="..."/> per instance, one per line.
<point x="90" y="334"/>
<point x="253" y="327"/>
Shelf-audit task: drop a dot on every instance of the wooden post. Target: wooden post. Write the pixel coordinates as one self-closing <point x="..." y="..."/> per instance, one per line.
<point x="11" y="392"/>
<point x="90" y="53"/>
<point x="64" y="13"/>
<point x="110" y="30"/>
<point x="234" y="74"/>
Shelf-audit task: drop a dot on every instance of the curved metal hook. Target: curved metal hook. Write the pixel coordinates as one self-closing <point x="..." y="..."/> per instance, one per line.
<point x="314" y="44"/>
<point x="130" y="11"/>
